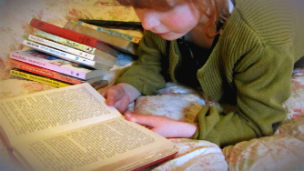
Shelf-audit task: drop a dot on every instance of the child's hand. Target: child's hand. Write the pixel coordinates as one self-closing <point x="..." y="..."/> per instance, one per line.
<point x="120" y="96"/>
<point x="164" y="126"/>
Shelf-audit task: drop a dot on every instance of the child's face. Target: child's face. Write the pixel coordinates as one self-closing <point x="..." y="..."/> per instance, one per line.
<point x="173" y="23"/>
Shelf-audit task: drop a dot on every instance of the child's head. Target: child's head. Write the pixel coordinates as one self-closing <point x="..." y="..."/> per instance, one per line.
<point x="172" y="19"/>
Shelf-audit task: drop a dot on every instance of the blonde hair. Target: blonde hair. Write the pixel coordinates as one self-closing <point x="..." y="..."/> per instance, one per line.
<point x="217" y="11"/>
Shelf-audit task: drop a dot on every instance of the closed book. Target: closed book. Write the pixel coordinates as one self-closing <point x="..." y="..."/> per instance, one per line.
<point x="56" y="64"/>
<point x="67" y="56"/>
<point x="120" y="33"/>
<point x="126" y="25"/>
<point x="117" y="42"/>
<point x="72" y="129"/>
<point x="68" y="34"/>
<point x="61" y="47"/>
<point x="99" y="52"/>
<point x="104" y="58"/>
<point x="11" y="63"/>
<point x="37" y="78"/>
<point x="65" y="33"/>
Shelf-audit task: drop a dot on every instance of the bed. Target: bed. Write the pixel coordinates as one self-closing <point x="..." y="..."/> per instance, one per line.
<point x="282" y="151"/>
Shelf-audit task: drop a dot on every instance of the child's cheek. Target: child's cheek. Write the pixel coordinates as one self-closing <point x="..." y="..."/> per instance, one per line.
<point x="175" y="22"/>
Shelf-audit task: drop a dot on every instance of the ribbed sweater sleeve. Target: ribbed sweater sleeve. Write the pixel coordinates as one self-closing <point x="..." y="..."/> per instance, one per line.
<point x="255" y="60"/>
<point x="145" y="74"/>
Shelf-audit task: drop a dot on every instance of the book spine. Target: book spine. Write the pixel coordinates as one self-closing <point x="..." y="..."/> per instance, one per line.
<point x="115" y="24"/>
<point x="66" y="42"/>
<point x="65" y="33"/>
<point x="37" y="78"/>
<point x="108" y="43"/>
<point x="59" y="53"/>
<point x="111" y="32"/>
<point x="47" y="65"/>
<point x="61" y="47"/>
<point x="42" y="71"/>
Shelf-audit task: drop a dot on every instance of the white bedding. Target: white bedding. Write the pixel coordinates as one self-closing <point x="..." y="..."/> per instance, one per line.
<point x="282" y="151"/>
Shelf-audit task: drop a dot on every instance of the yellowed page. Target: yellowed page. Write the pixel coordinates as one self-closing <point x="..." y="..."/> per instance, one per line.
<point x="108" y="145"/>
<point x="51" y="112"/>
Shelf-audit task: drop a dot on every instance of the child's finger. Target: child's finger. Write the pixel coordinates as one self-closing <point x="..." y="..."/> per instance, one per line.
<point x="140" y="119"/>
<point x="111" y="97"/>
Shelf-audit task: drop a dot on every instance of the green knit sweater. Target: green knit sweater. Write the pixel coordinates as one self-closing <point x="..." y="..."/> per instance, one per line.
<point x="249" y="68"/>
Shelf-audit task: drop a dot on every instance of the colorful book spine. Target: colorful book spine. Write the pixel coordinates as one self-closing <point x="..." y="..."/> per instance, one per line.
<point x="48" y="73"/>
<point x="106" y="52"/>
<point x="60" y="54"/>
<point x="36" y="78"/>
<point x="111" y="32"/>
<point x="116" y="42"/>
<point x="66" y="42"/>
<point x="65" y="33"/>
<point x="56" y="64"/>
<point x="61" y="47"/>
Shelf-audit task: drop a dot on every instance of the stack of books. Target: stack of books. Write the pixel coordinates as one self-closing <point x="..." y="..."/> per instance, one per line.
<point x="123" y="40"/>
<point x="61" y="57"/>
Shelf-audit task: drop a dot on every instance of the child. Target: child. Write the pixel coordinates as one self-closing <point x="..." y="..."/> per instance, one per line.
<point x="243" y="59"/>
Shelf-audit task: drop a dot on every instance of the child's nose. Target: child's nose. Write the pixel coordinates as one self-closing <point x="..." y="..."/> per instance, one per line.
<point x="150" y="20"/>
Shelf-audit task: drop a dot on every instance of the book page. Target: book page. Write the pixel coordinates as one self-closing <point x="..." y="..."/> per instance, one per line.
<point x="104" y="146"/>
<point x="53" y="111"/>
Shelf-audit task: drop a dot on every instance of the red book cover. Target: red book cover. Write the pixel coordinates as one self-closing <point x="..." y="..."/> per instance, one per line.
<point x="65" y="33"/>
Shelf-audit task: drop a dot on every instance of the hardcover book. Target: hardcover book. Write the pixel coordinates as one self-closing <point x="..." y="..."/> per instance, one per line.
<point x="65" y="33"/>
<point x="72" y="129"/>
<point x="56" y="64"/>
<point x="122" y="34"/>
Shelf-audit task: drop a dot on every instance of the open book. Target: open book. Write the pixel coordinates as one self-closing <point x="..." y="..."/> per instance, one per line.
<point x="71" y="128"/>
